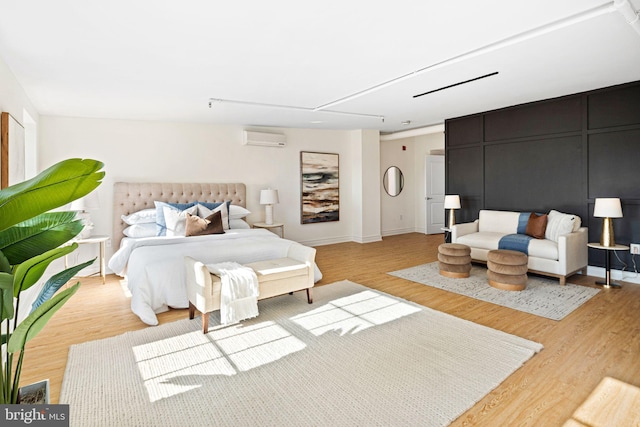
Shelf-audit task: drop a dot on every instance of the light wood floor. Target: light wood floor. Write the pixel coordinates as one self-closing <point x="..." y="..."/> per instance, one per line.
<point x="601" y="338"/>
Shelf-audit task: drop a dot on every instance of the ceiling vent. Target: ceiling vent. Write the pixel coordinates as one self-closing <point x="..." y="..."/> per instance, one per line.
<point x="264" y="139"/>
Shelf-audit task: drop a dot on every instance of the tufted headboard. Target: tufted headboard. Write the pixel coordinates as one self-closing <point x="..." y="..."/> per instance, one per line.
<point x="129" y="197"/>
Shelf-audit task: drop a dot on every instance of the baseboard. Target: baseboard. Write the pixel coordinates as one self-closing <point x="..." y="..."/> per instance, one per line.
<point x="397" y="231"/>
<point x="625" y="276"/>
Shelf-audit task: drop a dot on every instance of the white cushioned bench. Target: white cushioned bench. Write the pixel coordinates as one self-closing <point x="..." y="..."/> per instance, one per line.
<point x="279" y="276"/>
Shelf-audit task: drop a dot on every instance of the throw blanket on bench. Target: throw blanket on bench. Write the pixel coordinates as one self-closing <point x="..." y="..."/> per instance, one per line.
<point x="239" y="291"/>
<point x="520" y="241"/>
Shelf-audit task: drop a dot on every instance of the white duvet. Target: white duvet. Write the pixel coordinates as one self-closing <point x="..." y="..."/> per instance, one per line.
<point x="154" y="266"/>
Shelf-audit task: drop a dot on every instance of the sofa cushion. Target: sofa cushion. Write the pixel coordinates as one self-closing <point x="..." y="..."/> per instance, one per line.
<point x="504" y="222"/>
<point x="536" y="225"/>
<point x="543" y="248"/>
<point x="559" y="224"/>
<point x="481" y="240"/>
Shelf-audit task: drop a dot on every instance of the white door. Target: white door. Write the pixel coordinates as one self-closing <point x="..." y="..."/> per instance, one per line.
<point x="435" y="194"/>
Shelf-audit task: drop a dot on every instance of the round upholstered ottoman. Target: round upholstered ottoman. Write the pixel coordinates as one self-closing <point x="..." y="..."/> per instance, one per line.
<point x="454" y="260"/>
<point x="507" y="270"/>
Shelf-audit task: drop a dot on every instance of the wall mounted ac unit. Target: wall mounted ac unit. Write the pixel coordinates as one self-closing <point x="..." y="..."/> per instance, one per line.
<point x="264" y="139"/>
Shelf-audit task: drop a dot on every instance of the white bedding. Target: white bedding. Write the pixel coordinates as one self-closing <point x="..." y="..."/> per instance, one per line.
<point x="154" y="266"/>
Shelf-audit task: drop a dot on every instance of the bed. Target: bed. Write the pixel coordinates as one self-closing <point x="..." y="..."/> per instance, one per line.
<point x="154" y="266"/>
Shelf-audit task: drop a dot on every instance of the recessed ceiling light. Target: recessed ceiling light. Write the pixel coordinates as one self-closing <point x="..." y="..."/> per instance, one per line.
<point x="405" y="123"/>
<point x="316" y="121"/>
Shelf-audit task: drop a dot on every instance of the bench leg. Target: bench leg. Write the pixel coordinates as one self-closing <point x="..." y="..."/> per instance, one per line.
<point x="309" y="296"/>
<point x="205" y="323"/>
<point x="192" y="311"/>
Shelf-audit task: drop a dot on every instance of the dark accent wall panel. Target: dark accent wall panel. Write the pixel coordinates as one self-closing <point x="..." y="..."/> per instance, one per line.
<point x="541" y="118"/>
<point x="618" y="107"/>
<point x="560" y="153"/>
<point x="465" y="130"/>
<point x="614" y="164"/>
<point x="535" y="175"/>
<point x="464" y="177"/>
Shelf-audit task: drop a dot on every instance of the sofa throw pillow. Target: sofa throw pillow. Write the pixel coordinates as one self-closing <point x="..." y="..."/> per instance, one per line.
<point x="536" y="226"/>
<point x="559" y="224"/>
<point x="197" y="226"/>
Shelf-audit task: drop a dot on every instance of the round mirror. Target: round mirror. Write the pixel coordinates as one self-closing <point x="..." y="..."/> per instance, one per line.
<point x="393" y="181"/>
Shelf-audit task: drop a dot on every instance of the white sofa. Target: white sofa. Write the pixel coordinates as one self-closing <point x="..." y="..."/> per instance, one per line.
<point x="560" y="254"/>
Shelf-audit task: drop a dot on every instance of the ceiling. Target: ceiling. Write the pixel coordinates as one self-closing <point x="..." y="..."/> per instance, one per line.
<point x="333" y="64"/>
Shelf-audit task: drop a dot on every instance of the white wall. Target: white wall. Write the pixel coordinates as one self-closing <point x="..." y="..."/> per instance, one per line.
<point x="147" y="151"/>
<point x="405" y="213"/>
<point x="14" y="100"/>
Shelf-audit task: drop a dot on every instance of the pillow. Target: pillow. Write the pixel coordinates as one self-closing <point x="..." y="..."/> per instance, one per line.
<point x="238" y="223"/>
<point x="145" y="216"/>
<point x="559" y="224"/>
<point x="141" y="230"/>
<point x="536" y="226"/>
<point x="237" y="212"/>
<point x="176" y="220"/>
<point x="161" y="229"/>
<point x="197" y="226"/>
<point x="204" y="212"/>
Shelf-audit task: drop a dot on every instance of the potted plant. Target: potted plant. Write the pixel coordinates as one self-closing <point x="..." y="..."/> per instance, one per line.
<point x="31" y="238"/>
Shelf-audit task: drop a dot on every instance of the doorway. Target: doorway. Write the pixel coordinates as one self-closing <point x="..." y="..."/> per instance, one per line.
<point x="434" y="197"/>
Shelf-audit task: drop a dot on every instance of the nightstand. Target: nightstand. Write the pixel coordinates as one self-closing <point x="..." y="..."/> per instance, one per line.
<point x="279" y="225"/>
<point x="102" y="240"/>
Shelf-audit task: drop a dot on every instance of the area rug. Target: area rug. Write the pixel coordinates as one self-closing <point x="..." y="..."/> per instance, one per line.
<point x="355" y="356"/>
<point x="542" y="297"/>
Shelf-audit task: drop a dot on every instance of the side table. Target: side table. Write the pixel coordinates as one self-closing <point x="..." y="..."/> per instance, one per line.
<point x="279" y="225"/>
<point x="608" y="283"/>
<point x="102" y="240"/>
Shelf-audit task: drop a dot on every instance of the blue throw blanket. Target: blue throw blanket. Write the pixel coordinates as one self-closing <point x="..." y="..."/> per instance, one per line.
<point x="515" y="242"/>
<point x="520" y="241"/>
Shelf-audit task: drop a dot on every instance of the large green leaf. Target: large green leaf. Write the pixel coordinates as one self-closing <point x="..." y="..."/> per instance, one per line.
<point x="56" y="281"/>
<point x="5" y="265"/>
<point x="6" y="296"/>
<point x="56" y="186"/>
<point x="37" y="235"/>
<point x="29" y="272"/>
<point x="34" y="322"/>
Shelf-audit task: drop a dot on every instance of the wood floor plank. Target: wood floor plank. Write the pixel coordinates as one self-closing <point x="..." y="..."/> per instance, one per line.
<point x="600" y="339"/>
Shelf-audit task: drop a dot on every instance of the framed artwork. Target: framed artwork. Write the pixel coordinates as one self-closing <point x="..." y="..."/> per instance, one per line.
<point x="12" y="157"/>
<point x="320" y="189"/>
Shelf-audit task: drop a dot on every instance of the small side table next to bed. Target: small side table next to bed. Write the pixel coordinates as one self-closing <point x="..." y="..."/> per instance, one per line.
<point x="279" y="225"/>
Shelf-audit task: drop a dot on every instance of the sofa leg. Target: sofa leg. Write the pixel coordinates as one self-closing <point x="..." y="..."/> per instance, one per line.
<point x="309" y="296"/>
<point x="192" y="311"/>
<point x="563" y="280"/>
<point x="205" y="323"/>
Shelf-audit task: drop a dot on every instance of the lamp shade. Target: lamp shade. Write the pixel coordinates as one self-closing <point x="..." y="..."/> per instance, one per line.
<point x="452" y="201"/>
<point x="88" y="202"/>
<point x="268" y="197"/>
<point x="608" y="207"/>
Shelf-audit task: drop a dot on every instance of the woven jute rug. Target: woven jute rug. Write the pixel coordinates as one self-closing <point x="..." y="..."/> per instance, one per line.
<point x="542" y="297"/>
<point x="355" y="356"/>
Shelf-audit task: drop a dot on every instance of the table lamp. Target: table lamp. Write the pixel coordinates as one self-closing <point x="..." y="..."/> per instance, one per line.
<point x="452" y="202"/>
<point x="81" y="206"/>
<point x="268" y="197"/>
<point x="607" y="208"/>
